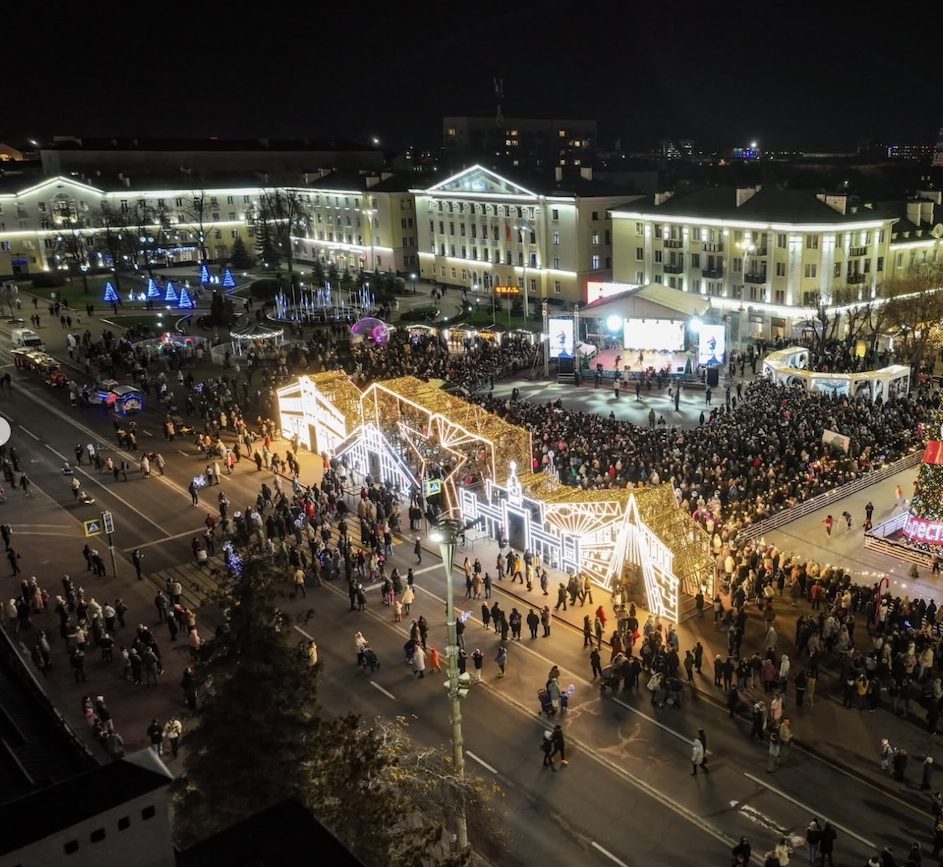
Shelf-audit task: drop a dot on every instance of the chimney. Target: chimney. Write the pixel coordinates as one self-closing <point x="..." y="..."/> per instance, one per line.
<point x="586" y="173"/>
<point x="744" y="194"/>
<point x="661" y="198"/>
<point x="558" y="173"/>
<point x="836" y="203"/>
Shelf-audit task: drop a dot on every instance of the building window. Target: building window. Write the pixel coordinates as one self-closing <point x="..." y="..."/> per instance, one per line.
<point x="557" y="288"/>
<point x="780" y="269"/>
<point x="640" y="230"/>
<point x="781" y="241"/>
<point x="836" y="271"/>
<point x="658" y="257"/>
<point x="555" y="238"/>
<point x="595" y="216"/>
<point x="556" y="263"/>
<point x="696" y="286"/>
<point x="124" y="823"/>
<point x="608" y="237"/>
<point x="881" y="262"/>
<point x="881" y="237"/>
<point x="779" y="296"/>
<point x="97" y="835"/>
<point x="71" y="847"/>
<point x="695" y="260"/>
<point x="554" y="214"/>
<point x="810" y="271"/>
<point x="811" y="242"/>
<point x="596" y="263"/>
<point x="639" y="254"/>
<point x="218" y="234"/>
<point x="595" y="240"/>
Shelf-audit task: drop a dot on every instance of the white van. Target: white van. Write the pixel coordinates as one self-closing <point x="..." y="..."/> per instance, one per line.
<point x="27" y="339"/>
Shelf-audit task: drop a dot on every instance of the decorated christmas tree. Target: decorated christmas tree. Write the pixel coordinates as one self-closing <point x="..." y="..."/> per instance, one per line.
<point x="170" y="296"/>
<point x="153" y="290"/>
<point x="229" y="282"/>
<point x="186" y="302"/>
<point x="111" y="297"/>
<point x="925" y="519"/>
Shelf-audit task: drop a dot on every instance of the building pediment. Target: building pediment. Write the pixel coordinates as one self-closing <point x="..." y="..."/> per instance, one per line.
<point x="478" y="180"/>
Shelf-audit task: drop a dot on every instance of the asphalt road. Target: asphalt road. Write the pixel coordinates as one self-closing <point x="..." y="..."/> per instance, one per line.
<point x="628" y="789"/>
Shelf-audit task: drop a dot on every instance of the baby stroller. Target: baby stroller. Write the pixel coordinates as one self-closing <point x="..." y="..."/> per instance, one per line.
<point x="409" y="648"/>
<point x="609" y="680"/>
<point x="675" y="688"/>
<point x="546" y="706"/>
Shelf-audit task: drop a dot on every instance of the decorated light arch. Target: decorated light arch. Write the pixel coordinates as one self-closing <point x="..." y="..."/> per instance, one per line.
<point x="409" y="433"/>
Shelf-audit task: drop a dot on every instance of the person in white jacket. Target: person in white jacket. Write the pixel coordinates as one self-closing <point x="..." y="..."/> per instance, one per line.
<point x="697" y="756"/>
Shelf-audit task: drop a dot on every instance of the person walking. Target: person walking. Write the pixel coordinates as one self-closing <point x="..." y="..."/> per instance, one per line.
<point x="547" y="746"/>
<point x="156" y="736"/>
<point x="546" y="618"/>
<point x="419" y="661"/>
<point x="172" y="732"/>
<point x="137" y="558"/>
<point x="703" y="739"/>
<point x="533" y="621"/>
<point x="813" y="835"/>
<point x="559" y="745"/>
<point x="417" y="550"/>
<point x="697" y="756"/>
<point x="827" y="843"/>
<point x="501" y="658"/>
<point x="595" y="662"/>
<point x="775" y="749"/>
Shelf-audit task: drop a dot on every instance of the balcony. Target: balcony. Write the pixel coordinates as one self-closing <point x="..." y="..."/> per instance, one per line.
<point x="758" y="253"/>
<point x="674" y="269"/>
<point x="856" y="279"/>
<point x="714" y="247"/>
<point x="673" y="244"/>
<point x="754" y="278"/>
<point x="713" y="273"/>
<point x="855" y="252"/>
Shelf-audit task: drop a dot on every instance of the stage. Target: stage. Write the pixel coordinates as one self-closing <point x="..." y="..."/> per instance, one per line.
<point x="637" y="361"/>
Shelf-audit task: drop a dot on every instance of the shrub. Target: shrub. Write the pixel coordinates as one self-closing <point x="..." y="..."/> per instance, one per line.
<point x="266" y="289"/>
<point x="421" y="314"/>
<point x="48" y="280"/>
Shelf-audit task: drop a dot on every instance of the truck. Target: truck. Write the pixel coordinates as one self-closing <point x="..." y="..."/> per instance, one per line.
<point x="26" y="339"/>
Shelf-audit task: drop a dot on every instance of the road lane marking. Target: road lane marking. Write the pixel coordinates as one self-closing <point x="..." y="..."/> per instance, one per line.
<point x="185" y="454"/>
<point x="305" y="634"/>
<point x="481" y="762"/>
<point x="26" y="430"/>
<point x="426" y="569"/>
<point x="809" y="810"/>
<point x="375" y="685"/>
<point x="161" y="541"/>
<point x="613" y="767"/>
<point x="608" y="854"/>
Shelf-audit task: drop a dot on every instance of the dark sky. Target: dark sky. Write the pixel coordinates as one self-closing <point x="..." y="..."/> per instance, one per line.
<point x="788" y="74"/>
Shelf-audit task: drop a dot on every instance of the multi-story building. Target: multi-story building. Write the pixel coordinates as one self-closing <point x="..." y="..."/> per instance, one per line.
<point x="763" y="254"/>
<point x="520" y="141"/>
<point x="479" y="229"/>
<point x="51" y="223"/>
<point x="359" y="221"/>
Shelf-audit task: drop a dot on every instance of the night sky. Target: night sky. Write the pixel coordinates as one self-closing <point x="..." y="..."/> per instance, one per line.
<point x="787" y="74"/>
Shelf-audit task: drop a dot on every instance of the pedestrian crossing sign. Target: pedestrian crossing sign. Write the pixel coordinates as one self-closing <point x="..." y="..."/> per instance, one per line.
<point x="432" y="487"/>
<point x="92" y="527"/>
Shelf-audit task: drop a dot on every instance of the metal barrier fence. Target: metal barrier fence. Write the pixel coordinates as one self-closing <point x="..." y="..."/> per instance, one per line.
<point x="774" y="522"/>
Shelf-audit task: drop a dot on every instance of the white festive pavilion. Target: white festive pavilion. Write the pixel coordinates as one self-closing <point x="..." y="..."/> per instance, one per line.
<point x="789" y="367"/>
<point x="412" y="435"/>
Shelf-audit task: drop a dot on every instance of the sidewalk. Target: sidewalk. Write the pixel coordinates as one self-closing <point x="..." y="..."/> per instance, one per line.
<point x="848" y="738"/>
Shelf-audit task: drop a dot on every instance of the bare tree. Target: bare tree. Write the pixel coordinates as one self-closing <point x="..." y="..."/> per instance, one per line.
<point x="147" y="230"/>
<point x="113" y="225"/>
<point x="914" y="311"/>
<point x="282" y="213"/>
<point x="71" y="243"/>
<point x="196" y="215"/>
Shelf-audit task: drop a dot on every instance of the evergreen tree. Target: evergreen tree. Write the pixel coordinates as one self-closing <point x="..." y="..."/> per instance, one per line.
<point x="333" y="277"/>
<point x="261" y="736"/>
<point x="239" y="256"/>
<point x="317" y="273"/>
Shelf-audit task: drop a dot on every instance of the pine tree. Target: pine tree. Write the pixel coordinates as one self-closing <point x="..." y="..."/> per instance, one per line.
<point x="239" y="256"/>
<point x="317" y="273"/>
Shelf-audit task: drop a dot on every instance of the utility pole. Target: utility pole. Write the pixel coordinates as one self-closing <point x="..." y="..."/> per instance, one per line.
<point x="108" y="525"/>
<point x="447" y="534"/>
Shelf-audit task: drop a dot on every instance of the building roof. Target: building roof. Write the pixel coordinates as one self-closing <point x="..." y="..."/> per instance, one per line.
<point x="361" y="182"/>
<point x="283" y="834"/>
<point x="210" y="143"/>
<point x="673" y="300"/>
<point x="55" y="808"/>
<point x="767" y="205"/>
<point x="519" y="182"/>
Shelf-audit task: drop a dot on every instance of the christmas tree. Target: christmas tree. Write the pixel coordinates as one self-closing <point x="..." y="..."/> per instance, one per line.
<point x="204" y="274"/>
<point x="111" y="297"/>
<point x="153" y="290"/>
<point x="229" y="282"/>
<point x="925" y="519"/>
<point x="170" y="296"/>
<point x="186" y="302"/>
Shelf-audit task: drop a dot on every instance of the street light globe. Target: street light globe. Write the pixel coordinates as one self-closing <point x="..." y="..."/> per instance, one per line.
<point x="695" y="325"/>
<point x="412" y="276"/>
<point x="614" y="322"/>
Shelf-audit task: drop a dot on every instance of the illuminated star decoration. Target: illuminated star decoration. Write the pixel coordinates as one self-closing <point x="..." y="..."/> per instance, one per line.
<point x="429" y="448"/>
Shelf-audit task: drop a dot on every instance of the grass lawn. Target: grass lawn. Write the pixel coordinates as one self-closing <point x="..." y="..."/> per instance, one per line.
<point x="482" y="317"/>
<point x="74" y="292"/>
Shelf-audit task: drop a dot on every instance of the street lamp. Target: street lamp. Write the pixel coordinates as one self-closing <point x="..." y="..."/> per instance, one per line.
<point x="413" y="278"/>
<point x="446" y="533"/>
<point x="525" y="229"/>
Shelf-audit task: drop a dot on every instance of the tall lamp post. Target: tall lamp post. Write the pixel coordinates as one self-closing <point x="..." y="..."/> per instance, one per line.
<point x="447" y="533"/>
<point x="524" y="229"/>
<point x="413" y="278"/>
<point x="368" y="213"/>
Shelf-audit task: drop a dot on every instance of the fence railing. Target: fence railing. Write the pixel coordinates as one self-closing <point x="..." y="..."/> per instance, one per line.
<point x="876" y="540"/>
<point x="774" y="522"/>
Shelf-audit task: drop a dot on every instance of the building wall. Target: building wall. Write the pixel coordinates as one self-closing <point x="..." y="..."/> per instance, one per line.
<point x="772" y="270"/>
<point x="143" y="842"/>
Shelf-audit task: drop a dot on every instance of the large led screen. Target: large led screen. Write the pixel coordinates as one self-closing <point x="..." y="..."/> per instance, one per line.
<point x="712" y="345"/>
<point x="561" y="338"/>
<point x="658" y="334"/>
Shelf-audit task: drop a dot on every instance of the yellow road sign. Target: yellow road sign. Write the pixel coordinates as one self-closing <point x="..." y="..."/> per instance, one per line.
<point x="92" y="527"/>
